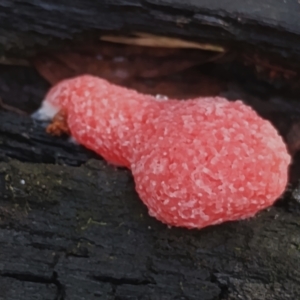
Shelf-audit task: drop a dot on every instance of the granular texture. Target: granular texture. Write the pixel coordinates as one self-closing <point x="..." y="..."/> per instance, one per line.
<point x="195" y="163"/>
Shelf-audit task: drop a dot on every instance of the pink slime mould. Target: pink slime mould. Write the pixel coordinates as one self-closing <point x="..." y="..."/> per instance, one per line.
<point x="195" y="163"/>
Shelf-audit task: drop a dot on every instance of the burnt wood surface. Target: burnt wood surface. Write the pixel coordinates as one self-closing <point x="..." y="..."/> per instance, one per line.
<point x="77" y="230"/>
<point x="72" y="227"/>
<point x="270" y="24"/>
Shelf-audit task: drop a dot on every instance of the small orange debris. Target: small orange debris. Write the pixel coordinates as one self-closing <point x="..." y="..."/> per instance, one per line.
<point x="59" y="125"/>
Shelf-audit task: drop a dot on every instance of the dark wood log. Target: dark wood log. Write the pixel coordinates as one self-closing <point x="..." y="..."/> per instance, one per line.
<point x="270" y="25"/>
<point x="80" y="232"/>
<point x="72" y="227"/>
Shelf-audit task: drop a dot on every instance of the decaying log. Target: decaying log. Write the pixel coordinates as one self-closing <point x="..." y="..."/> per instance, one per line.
<point x="72" y="226"/>
<point x="80" y="232"/>
<point x="270" y="25"/>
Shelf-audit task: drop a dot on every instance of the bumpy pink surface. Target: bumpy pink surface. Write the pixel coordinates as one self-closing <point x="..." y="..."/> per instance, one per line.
<point x="195" y="163"/>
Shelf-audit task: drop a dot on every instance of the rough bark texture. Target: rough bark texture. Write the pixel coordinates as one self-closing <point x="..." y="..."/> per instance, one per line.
<point x="80" y="232"/>
<point x="269" y="24"/>
<point x="72" y="227"/>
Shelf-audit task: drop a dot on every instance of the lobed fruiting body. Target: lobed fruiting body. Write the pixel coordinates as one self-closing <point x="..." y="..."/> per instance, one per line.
<point x="195" y="163"/>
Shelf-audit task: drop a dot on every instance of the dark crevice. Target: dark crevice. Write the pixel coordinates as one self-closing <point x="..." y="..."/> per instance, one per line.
<point x="121" y="281"/>
<point x="60" y="293"/>
<point x="41" y="246"/>
<point x="222" y="284"/>
<point x="116" y="282"/>
<point x="29" y="277"/>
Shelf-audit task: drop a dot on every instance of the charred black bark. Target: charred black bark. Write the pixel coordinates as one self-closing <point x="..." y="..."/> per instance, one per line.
<point x="82" y="233"/>
<point x="270" y="25"/>
<point x="72" y="227"/>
